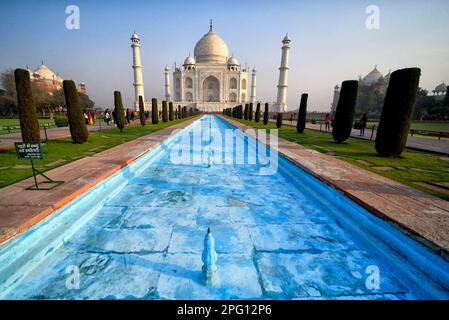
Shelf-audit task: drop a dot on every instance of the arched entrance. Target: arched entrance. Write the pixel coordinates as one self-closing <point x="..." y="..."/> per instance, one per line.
<point x="211" y="89"/>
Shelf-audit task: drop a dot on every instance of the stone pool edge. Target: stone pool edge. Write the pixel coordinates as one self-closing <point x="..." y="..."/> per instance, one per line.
<point x="21" y="209"/>
<point x="425" y="219"/>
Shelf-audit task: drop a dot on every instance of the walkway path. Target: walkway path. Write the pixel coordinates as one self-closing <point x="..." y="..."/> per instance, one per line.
<point x="422" y="216"/>
<point x="425" y="144"/>
<point x="7" y="140"/>
<point x="20" y="209"/>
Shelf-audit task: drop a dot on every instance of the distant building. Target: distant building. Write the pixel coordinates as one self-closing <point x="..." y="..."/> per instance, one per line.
<point x="440" y="90"/>
<point x="46" y="79"/>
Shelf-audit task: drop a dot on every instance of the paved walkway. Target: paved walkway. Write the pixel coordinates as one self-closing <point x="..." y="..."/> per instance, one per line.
<point x="20" y="209"/>
<point x="7" y="140"/>
<point x="425" y="144"/>
<point x="421" y="216"/>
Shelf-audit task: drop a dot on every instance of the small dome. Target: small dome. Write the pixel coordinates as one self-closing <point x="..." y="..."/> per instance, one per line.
<point x="45" y="73"/>
<point x="233" y="61"/>
<point x="211" y="49"/>
<point x="286" y="38"/>
<point x="167" y="68"/>
<point x="254" y="70"/>
<point x="135" y="36"/>
<point x="442" y="87"/>
<point x="372" y="77"/>
<point x="189" y="60"/>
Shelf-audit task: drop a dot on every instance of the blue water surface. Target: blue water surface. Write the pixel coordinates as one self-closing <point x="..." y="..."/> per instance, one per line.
<point x="139" y="235"/>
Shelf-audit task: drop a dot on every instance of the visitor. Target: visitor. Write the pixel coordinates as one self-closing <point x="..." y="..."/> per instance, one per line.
<point x="114" y="116"/>
<point x="86" y="118"/>
<point x="147" y="115"/>
<point x="132" y="117"/>
<point x="128" y="116"/>
<point x="363" y="123"/>
<point x="327" y="122"/>
<point x="332" y="119"/>
<point x="107" y="117"/>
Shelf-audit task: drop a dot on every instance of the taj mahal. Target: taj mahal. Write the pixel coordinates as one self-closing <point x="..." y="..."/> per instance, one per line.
<point x="211" y="79"/>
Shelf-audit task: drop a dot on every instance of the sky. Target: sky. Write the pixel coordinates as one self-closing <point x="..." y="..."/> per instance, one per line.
<point x="330" y="41"/>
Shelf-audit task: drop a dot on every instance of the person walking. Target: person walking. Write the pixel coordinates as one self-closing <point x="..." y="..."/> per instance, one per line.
<point x="363" y="123"/>
<point x="107" y="116"/>
<point x="128" y="116"/>
<point x="327" y="122"/>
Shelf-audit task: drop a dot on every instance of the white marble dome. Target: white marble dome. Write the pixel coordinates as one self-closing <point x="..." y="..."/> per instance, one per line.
<point x="211" y="49"/>
<point x="442" y="87"/>
<point x="233" y="61"/>
<point x="189" y="60"/>
<point x="45" y="73"/>
<point x="372" y="77"/>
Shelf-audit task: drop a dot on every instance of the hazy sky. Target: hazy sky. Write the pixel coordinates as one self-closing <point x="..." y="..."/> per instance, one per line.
<point x="330" y="42"/>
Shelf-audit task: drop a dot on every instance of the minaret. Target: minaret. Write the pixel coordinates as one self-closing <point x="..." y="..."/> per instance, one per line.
<point x="281" y="102"/>
<point x="137" y="66"/>
<point x="167" y="84"/>
<point x="253" y="86"/>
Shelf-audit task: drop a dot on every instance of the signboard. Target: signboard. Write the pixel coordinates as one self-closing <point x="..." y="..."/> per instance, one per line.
<point x="28" y="151"/>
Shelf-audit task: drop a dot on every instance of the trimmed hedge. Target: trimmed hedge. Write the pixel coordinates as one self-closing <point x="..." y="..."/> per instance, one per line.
<point x="246" y="111"/>
<point x="154" y="112"/>
<point x="279" y="120"/>
<point x="266" y="114"/>
<point x="250" y="112"/>
<point x="119" y="111"/>
<point x="171" y="115"/>
<point x="29" y="124"/>
<point x="143" y="119"/>
<point x="302" y="114"/>
<point x="164" y="111"/>
<point x="77" y="125"/>
<point x="397" y="112"/>
<point x="179" y="112"/>
<point x="344" y="115"/>
<point x="257" y="117"/>
<point x="61" y="121"/>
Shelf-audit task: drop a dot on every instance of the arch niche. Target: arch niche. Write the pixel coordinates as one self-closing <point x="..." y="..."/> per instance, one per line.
<point x="211" y="89"/>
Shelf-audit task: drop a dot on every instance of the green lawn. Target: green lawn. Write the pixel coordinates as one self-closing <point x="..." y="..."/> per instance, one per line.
<point x="62" y="151"/>
<point x="411" y="168"/>
<point x="16" y="122"/>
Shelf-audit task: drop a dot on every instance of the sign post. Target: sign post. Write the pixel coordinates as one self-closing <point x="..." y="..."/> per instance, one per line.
<point x="30" y="151"/>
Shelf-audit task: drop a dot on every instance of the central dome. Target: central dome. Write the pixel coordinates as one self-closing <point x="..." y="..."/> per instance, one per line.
<point x="211" y="49"/>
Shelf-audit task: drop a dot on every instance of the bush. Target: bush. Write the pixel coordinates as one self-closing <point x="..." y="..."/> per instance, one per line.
<point x="398" y="109"/>
<point x="266" y="114"/>
<point x="313" y="121"/>
<point x="344" y="115"/>
<point x="257" y="117"/>
<point x="119" y="112"/>
<point x="143" y="119"/>
<point x="250" y="112"/>
<point x="61" y="121"/>
<point x="164" y="111"/>
<point x="356" y="125"/>
<point x="246" y="111"/>
<point x="78" y="129"/>
<point x="171" y="116"/>
<point x="29" y="124"/>
<point x="302" y="113"/>
<point x="179" y="112"/>
<point x="279" y="120"/>
<point x="154" y="112"/>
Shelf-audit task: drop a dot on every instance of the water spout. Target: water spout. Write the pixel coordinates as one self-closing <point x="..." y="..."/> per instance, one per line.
<point x="209" y="257"/>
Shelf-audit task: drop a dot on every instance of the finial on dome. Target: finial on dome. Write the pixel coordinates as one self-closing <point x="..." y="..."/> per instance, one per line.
<point x="42" y="61"/>
<point x="210" y="26"/>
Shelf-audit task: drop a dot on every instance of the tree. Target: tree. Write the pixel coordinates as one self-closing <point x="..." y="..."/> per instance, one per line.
<point x="179" y="112"/>
<point x="395" y="120"/>
<point x="78" y="129"/>
<point x="250" y="112"/>
<point x="119" y="111"/>
<point x="302" y="114"/>
<point x="170" y="111"/>
<point x="164" y="111"/>
<point x="246" y="111"/>
<point x="279" y="120"/>
<point x="29" y="123"/>
<point x="143" y="119"/>
<point x="154" y="111"/>
<point x="344" y="115"/>
<point x="257" y="117"/>
<point x="266" y="114"/>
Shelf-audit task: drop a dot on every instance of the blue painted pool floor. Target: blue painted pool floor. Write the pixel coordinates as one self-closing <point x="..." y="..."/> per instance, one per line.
<point x="273" y="241"/>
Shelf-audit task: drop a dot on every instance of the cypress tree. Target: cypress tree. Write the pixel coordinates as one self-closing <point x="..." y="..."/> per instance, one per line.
<point x="179" y="112"/>
<point x="344" y="115"/>
<point x="170" y="111"/>
<point x="398" y="109"/>
<point x="246" y="111"/>
<point x="164" y="111"/>
<point x="279" y="120"/>
<point x="266" y="114"/>
<point x="77" y="125"/>
<point x="119" y="111"/>
<point x="29" y="124"/>
<point x="250" y="112"/>
<point x="154" y="111"/>
<point x="240" y="111"/>
<point x="302" y="113"/>
<point x="143" y="119"/>
<point x="257" y="118"/>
